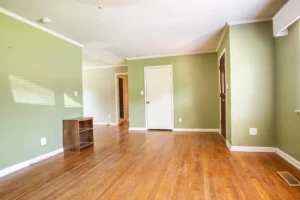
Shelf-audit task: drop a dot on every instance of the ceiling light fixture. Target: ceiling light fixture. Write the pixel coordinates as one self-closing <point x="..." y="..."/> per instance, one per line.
<point x="100" y="7"/>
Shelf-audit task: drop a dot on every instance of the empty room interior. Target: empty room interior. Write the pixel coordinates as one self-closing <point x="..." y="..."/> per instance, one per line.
<point x="150" y="99"/>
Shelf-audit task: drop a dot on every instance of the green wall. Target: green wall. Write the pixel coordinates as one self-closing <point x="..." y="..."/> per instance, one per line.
<point x="225" y="45"/>
<point x="99" y="93"/>
<point x="195" y="88"/>
<point x="252" y="84"/>
<point x="288" y="92"/>
<point x="39" y="74"/>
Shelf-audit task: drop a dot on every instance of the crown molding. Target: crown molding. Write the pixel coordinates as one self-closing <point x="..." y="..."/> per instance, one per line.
<point x="35" y="25"/>
<point x="249" y="21"/>
<point x="170" y="55"/>
<point x="225" y="29"/>
<point x="103" y="67"/>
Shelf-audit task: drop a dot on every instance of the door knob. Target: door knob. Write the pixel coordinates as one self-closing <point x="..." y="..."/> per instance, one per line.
<point x="147" y="102"/>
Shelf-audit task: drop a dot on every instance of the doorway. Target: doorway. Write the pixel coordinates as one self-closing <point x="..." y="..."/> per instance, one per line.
<point x="223" y="88"/>
<point x="159" y="97"/>
<point x="122" y="110"/>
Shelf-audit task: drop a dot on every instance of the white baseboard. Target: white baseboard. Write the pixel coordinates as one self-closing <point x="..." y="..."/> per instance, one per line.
<point x="278" y="151"/>
<point x="196" y="130"/>
<point x="288" y="158"/>
<point x="105" y="124"/>
<point x="228" y="144"/>
<point x="137" y="129"/>
<point x="27" y="163"/>
<point x="252" y="149"/>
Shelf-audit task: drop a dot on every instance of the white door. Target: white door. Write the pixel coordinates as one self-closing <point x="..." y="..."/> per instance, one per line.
<point x="158" y="87"/>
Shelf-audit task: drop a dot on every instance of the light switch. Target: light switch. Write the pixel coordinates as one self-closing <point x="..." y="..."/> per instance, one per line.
<point x="76" y="94"/>
<point x="142" y="92"/>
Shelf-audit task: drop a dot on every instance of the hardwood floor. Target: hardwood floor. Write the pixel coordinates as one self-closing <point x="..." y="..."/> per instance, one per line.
<point x="153" y="165"/>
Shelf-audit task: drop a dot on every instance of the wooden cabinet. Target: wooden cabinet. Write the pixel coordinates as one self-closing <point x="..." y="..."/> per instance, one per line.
<point x="78" y="133"/>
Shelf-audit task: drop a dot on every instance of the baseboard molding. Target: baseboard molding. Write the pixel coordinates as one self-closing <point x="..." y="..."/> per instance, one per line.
<point x="228" y="145"/>
<point x="288" y="158"/>
<point x="27" y="163"/>
<point x="252" y="149"/>
<point x="196" y="130"/>
<point x="105" y="124"/>
<point x="137" y="129"/>
<point x="278" y="151"/>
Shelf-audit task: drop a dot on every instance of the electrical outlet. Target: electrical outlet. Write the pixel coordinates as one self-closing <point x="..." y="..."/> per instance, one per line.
<point x="43" y="141"/>
<point x="253" y="131"/>
<point x="180" y="120"/>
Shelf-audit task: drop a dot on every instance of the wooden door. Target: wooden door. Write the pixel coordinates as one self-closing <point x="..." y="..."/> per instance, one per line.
<point x="223" y="95"/>
<point x="158" y="87"/>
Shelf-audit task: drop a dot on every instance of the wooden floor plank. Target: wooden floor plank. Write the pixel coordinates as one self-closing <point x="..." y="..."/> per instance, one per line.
<point x="153" y="165"/>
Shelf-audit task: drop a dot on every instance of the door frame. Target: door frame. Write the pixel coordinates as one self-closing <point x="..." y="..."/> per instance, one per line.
<point x="117" y="99"/>
<point x="172" y="93"/>
<point x="220" y="106"/>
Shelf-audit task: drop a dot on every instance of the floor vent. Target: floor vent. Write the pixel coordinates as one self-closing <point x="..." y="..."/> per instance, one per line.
<point x="292" y="181"/>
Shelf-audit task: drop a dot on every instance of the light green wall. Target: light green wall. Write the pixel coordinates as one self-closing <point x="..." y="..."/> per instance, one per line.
<point x="288" y="92"/>
<point x="252" y="84"/>
<point x="99" y="93"/>
<point x="195" y="87"/>
<point x="225" y="45"/>
<point x="36" y="69"/>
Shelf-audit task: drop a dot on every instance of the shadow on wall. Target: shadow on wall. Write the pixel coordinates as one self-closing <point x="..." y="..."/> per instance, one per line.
<point x="27" y="92"/>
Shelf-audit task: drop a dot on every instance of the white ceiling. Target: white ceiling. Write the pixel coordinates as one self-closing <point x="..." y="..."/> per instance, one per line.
<point x="138" y="28"/>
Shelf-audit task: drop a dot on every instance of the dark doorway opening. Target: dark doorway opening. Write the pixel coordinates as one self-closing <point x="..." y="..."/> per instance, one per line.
<point x="223" y="87"/>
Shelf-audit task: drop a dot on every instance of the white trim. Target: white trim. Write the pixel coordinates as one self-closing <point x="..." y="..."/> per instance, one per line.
<point x="223" y="52"/>
<point x="278" y="151"/>
<point x="35" y="25"/>
<point x="103" y="67"/>
<point x="137" y="129"/>
<point x="172" y="93"/>
<point x="249" y="21"/>
<point x="297" y="111"/>
<point x="252" y="149"/>
<point x="105" y="124"/>
<point x="288" y="158"/>
<point x="222" y="37"/>
<point x="170" y="55"/>
<point x="285" y="17"/>
<point x="117" y="96"/>
<point x="284" y="32"/>
<point x="27" y="163"/>
<point x="228" y="145"/>
<point x="196" y="130"/>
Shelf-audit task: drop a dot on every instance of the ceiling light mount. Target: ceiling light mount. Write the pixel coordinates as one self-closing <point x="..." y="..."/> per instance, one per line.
<point x="46" y="20"/>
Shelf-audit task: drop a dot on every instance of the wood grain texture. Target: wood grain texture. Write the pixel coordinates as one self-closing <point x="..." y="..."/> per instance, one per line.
<point x="77" y="134"/>
<point x="153" y="165"/>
